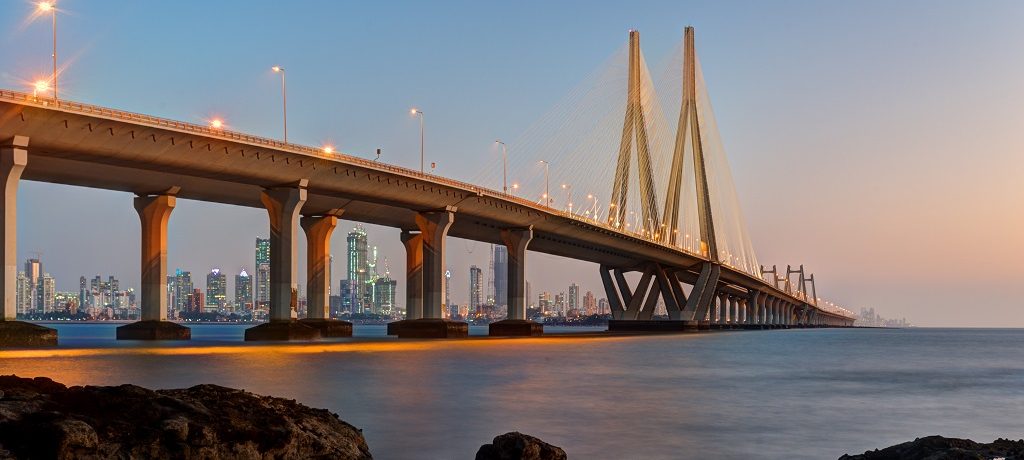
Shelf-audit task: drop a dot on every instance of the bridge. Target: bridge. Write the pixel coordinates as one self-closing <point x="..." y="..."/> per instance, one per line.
<point x="159" y="160"/>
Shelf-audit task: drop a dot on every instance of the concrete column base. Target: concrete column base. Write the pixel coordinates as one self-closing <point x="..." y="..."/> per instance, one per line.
<point x="19" y="334"/>
<point x="431" y="328"/>
<point x="153" y="330"/>
<point x="704" y="325"/>
<point x="751" y="327"/>
<point x="628" y="325"/>
<point x="394" y="326"/>
<point x="282" y="330"/>
<point x="515" y="328"/>
<point x="329" y="328"/>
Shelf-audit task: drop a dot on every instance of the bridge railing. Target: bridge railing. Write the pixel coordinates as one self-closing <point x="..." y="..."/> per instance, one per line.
<point x="89" y="109"/>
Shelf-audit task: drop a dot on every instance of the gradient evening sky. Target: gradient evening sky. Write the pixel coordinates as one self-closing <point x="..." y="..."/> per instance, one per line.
<point x="879" y="143"/>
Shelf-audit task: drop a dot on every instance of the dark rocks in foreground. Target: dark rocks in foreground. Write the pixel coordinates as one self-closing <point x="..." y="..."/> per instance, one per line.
<point x="40" y="418"/>
<point x="940" y="448"/>
<point x="518" y="446"/>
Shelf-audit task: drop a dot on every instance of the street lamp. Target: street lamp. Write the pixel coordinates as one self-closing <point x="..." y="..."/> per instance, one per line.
<point x="504" y="166"/>
<point x="514" y="188"/>
<point x="547" y="195"/>
<point x="216" y="123"/>
<point x="568" y="196"/>
<point x="51" y="7"/>
<point x="417" y="112"/>
<point x="40" y="86"/>
<point x="284" y="99"/>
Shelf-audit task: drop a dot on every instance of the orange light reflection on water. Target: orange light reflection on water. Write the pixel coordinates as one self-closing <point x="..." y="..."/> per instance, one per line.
<point x="296" y="348"/>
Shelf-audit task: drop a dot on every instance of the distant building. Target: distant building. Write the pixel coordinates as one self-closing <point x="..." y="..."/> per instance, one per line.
<point x="476" y="288"/>
<point x="195" y="301"/>
<point x="384" y="295"/>
<point x="262" y="280"/>
<point x="358" y="271"/>
<point x="216" y="290"/>
<point x="243" y="291"/>
<point x="347" y="293"/>
<point x="573" y="301"/>
<point x="602" y="306"/>
<point x="500" y="275"/>
<point x="589" y="303"/>
<point x="544" y="302"/>
<point x="182" y="290"/>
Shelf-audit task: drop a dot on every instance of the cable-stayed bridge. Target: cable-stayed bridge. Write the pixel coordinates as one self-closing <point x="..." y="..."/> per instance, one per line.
<point x="677" y="226"/>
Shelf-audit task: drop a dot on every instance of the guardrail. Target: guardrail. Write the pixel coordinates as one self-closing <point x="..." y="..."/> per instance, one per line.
<point x="121" y="115"/>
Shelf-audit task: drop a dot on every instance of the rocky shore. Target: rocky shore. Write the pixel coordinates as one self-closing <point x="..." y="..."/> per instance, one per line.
<point x="940" y="448"/>
<point x="40" y="418"/>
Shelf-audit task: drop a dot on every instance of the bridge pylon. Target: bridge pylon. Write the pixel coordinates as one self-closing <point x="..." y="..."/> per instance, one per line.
<point x="634" y="127"/>
<point x="689" y="123"/>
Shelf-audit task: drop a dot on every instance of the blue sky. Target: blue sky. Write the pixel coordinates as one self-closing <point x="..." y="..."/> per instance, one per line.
<point x="880" y="143"/>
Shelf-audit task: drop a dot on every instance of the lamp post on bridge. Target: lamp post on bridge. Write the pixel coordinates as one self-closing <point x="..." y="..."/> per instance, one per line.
<point x="504" y="166"/>
<point x="568" y="197"/>
<point x="417" y="112"/>
<point x="547" y="195"/>
<point x="284" y="99"/>
<point x="51" y="7"/>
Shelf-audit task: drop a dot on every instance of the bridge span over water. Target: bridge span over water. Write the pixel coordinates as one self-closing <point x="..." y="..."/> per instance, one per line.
<point x="300" y="187"/>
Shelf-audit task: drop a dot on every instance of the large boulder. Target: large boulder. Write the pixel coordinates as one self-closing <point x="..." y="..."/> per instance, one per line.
<point x="940" y="448"/>
<point x="518" y="446"/>
<point x="40" y="418"/>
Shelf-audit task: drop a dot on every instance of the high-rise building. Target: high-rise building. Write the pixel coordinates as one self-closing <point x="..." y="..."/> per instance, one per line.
<point x="34" y="277"/>
<point x="216" y="290"/>
<point x="384" y="295"/>
<point x="560" y="303"/>
<point x="589" y="303"/>
<point x="489" y="295"/>
<point x="358" y="270"/>
<point x="183" y="289"/>
<point x="447" y="289"/>
<point x="23" y="294"/>
<point x="347" y="294"/>
<point x="544" y="302"/>
<point x="602" y="306"/>
<point x="500" y="275"/>
<point x="195" y="301"/>
<point x="48" y="287"/>
<point x="573" y="301"/>
<point x="476" y="287"/>
<point x="243" y="291"/>
<point x="82" y="291"/>
<point x="262" y="281"/>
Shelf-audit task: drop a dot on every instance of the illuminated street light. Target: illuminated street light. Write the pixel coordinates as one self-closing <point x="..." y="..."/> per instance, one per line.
<point x="547" y="190"/>
<point x="216" y="123"/>
<point x="51" y="7"/>
<point x="514" y="188"/>
<point x="284" y="99"/>
<point x="328" y="149"/>
<point x="414" y="112"/>
<point x="40" y="86"/>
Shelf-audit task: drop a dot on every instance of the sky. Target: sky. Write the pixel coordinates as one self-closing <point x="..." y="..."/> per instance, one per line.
<point x="879" y="143"/>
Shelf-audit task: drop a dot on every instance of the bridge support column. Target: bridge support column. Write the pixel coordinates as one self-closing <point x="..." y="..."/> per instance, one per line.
<point x="413" y="242"/>
<point x="733" y="312"/>
<point x="283" y="205"/>
<point x="154" y="213"/>
<point x="318" y="230"/>
<point x="433" y="227"/>
<point x="722" y="311"/>
<point x="14" y="333"/>
<point x="516" y="324"/>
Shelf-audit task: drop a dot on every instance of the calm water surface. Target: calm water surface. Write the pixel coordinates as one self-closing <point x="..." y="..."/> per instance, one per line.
<point x="756" y="394"/>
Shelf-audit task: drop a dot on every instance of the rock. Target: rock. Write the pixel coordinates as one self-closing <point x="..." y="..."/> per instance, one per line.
<point x="940" y="448"/>
<point x="40" y="418"/>
<point x="518" y="446"/>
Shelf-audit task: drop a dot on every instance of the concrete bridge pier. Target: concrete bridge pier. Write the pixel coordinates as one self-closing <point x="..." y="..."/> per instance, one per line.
<point x="154" y="213"/>
<point x="515" y="323"/>
<point x="433" y="227"/>
<point x="413" y="242"/>
<point x="318" y="230"/>
<point x="283" y="206"/>
<point x="733" y="312"/>
<point x="14" y="333"/>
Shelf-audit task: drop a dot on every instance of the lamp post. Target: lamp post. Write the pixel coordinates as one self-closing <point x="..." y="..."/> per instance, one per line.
<point x="547" y="195"/>
<point x="504" y="166"/>
<point x="40" y="86"/>
<point x="418" y="112"/>
<point x="284" y="99"/>
<point x="568" y="197"/>
<point x="52" y="9"/>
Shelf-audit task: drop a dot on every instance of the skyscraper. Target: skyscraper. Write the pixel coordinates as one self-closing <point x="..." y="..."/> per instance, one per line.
<point x="23" y="298"/>
<point x="82" y="286"/>
<point x="243" y="291"/>
<point x="573" y="301"/>
<point x="358" y="270"/>
<point x="183" y="289"/>
<point x="589" y="303"/>
<point x="476" y="288"/>
<point x="262" y="281"/>
<point x="216" y="290"/>
<point x="500" y="275"/>
<point x="34" y="275"/>
<point x="48" y="288"/>
<point x="384" y="295"/>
